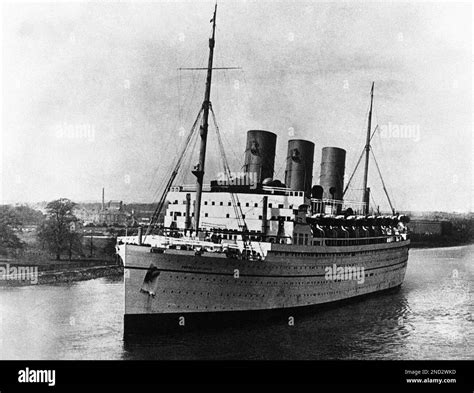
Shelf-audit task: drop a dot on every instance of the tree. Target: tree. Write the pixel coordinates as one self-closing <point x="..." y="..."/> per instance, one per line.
<point x="28" y="216"/>
<point x="58" y="231"/>
<point x="9" y="223"/>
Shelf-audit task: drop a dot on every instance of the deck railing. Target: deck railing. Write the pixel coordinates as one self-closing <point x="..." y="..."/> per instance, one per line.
<point x="355" y="241"/>
<point x="335" y="206"/>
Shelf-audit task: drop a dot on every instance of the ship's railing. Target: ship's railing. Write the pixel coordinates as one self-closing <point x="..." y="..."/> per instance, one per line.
<point x="166" y="241"/>
<point x="286" y="191"/>
<point x="190" y="188"/>
<point x="335" y="206"/>
<point x="356" y="241"/>
<point x="232" y="249"/>
<point x="207" y="188"/>
<point x="210" y="226"/>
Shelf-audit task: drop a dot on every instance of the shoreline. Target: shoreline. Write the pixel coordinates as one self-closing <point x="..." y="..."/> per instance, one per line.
<point x="83" y="274"/>
<point x="424" y="244"/>
<point x="46" y="275"/>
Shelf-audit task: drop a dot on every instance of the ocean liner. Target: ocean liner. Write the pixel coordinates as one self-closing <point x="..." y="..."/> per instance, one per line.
<point x="247" y="245"/>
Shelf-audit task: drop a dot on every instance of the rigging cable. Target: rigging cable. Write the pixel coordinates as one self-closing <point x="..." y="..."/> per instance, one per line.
<point x="178" y="122"/>
<point x="358" y="162"/>
<point x="161" y="202"/>
<point x="187" y="162"/>
<point x="235" y="200"/>
<point x="383" y="183"/>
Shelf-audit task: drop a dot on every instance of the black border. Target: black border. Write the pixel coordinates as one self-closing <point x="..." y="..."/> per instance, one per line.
<point x="315" y="373"/>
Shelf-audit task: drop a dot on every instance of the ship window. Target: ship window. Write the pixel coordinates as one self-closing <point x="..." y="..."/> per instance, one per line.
<point x="222" y="203"/>
<point x="213" y="203"/>
<point x="270" y="205"/>
<point x="243" y="216"/>
<point x="280" y="206"/>
<point x="238" y="203"/>
<point x="255" y="205"/>
<point x="176" y="202"/>
<point x="229" y="204"/>
<point x="227" y="216"/>
<point x="205" y="202"/>
<point x="171" y="213"/>
<point x="247" y="204"/>
<point x="260" y="217"/>
<point x="206" y="215"/>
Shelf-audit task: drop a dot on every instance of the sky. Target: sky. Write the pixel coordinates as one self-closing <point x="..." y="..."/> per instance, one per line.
<point x="92" y="96"/>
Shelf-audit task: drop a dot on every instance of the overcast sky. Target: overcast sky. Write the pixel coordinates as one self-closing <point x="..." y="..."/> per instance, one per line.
<point x="92" y="98"/>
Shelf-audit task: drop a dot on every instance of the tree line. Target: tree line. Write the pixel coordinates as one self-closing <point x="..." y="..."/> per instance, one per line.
<point x="57" y="230"/>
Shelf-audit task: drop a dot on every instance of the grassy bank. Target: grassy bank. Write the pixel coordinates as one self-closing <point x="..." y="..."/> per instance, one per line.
<point x="46" y="269"/>
<point x="66" y="275"/>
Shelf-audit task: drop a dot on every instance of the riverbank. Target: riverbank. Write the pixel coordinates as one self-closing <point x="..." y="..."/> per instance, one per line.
<point x="22" y="273"/>
<point x="83" y="274"/>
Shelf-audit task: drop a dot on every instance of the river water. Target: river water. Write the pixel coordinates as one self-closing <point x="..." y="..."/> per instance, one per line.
<point x="431" y="317"/>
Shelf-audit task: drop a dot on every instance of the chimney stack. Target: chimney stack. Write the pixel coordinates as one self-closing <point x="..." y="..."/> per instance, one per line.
<point x="333" y="163"/>
<point x="260" y="155"/>
<point x="299" y="165"/>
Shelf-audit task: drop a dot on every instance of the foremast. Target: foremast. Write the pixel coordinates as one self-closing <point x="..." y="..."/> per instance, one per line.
<point x="199" y="168"/>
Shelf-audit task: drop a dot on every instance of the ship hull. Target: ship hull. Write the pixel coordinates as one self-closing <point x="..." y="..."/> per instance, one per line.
<point x="176" y="290"/>
<point x="198" y="321"/>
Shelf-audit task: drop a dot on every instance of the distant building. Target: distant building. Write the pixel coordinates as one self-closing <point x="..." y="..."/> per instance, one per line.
<point x="87" y="214"/>
<point x="75" y="226"/>
<point x="141" y="218"/>
<point x="114" y="213"/>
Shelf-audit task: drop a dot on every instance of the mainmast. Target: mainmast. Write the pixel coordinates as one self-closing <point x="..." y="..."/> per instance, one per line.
<point x="199" y="168"/>
<point x="366" y="191"/>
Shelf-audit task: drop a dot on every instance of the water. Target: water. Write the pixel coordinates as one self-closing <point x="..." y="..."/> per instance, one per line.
<point x="431" y="317"/>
